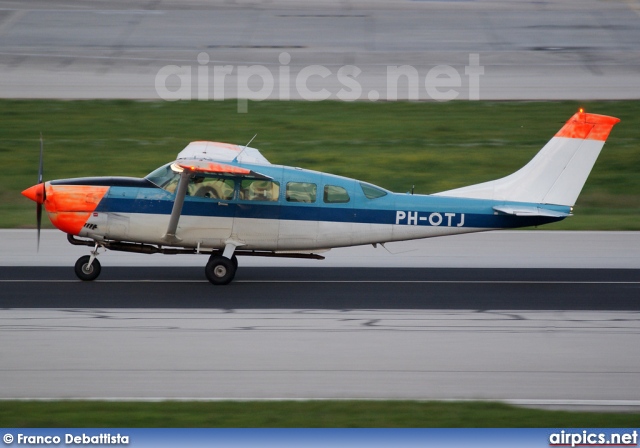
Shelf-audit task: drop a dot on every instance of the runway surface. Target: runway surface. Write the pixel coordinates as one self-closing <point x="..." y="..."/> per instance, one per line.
<point x="536" y="357"/>
<point x="530" y="50"/>
<point x="528" y="337"/>
<point x="326" y="288"/>
<point x="364" y="323"/>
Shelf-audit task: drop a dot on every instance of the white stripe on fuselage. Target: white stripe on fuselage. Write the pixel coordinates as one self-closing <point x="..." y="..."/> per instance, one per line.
<point x="259" y="234"/>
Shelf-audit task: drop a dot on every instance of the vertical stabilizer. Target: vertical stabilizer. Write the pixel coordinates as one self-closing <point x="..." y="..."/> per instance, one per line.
<point x="557" y="173"/>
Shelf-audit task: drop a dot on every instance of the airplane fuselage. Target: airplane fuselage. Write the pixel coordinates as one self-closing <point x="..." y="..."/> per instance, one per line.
<point x="306" y="210"/>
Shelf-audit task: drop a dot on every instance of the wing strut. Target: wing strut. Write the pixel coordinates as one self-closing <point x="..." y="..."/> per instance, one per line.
<point x="189" y="167"/>
<point x="181" y="192"/>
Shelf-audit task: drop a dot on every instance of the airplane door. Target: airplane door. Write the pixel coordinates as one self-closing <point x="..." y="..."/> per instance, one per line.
<point x="317" y="213"/>
<point x="257" y="213"/>
<point x="208" y="211"/>
<point x="338" y="226"/>
<point x="301" y="212"/>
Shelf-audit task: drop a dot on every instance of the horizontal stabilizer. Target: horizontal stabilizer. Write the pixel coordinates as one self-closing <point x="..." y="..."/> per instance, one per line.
<point x="530" y="211"/>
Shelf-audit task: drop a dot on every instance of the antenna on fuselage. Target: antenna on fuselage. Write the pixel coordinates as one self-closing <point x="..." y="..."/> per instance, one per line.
<point x="243" y="148"/>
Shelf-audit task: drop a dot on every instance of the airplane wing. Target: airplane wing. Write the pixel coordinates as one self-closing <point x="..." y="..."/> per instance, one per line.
<point x="222" y="152"/>
<point x="203" y="166"/>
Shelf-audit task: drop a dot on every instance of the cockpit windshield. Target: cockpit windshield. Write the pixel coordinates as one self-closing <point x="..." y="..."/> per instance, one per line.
<point x="166" y="177"/>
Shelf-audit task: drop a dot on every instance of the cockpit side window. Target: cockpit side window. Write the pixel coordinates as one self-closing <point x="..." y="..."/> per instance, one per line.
<point x="334" y="194"/>
<point x="165" y="177"/>
<point x="211" y="187"/>
<point x="259" y="190"/>
<point x="301" y="192"/>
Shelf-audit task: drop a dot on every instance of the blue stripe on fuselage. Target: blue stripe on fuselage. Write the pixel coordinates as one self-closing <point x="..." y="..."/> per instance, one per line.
<point x="417" y="209"/>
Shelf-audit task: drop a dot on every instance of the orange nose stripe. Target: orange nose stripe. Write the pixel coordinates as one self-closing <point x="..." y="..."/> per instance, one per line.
<point x="35" y="193"/>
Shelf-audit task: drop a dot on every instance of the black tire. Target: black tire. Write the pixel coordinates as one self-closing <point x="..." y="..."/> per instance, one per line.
<point x="234" y="259"/>
<point x="220" y="270"/>
<point x="84" y="274"/>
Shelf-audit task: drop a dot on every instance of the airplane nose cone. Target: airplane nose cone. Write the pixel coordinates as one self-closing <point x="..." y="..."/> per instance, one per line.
<point x="35" y="193"/>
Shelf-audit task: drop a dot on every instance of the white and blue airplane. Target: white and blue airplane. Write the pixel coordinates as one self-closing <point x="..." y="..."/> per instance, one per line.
<point x="225" y="200"/>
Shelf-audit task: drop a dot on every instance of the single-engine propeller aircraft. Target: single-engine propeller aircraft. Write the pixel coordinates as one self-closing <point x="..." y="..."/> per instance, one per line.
<point x="225" y="200"/>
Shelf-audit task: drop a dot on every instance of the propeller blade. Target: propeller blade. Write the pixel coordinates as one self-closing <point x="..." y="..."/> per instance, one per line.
<point x="39" y="219"/>
<point x="44" y="191"/>
<point x="41" y="169"/>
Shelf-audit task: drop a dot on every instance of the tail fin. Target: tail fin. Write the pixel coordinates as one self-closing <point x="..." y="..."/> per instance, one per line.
<point x="557" y="173"/>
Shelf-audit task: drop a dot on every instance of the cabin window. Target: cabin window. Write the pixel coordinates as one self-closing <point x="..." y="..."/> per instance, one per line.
<point x="301" y="192"/>
<point x="372" y="192"/>
<point x="259" y="190"/>
<point x="335" y="195"/>
<point x="166" y="177"/>
<point x="211" y="187"/>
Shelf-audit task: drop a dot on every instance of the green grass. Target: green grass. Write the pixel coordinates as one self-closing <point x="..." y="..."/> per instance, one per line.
<point x="292" y="414"/>
<point x="434" y="146"/>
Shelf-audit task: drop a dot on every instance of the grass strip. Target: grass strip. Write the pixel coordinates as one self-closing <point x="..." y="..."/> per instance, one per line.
<point x="297" y="414"/>
<point x="434" y="146"/>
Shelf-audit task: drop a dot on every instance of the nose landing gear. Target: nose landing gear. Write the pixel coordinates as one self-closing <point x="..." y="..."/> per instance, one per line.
<point x="88" y="267"/>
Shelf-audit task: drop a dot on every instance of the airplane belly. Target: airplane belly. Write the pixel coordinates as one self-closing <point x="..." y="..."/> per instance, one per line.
<point x="298" y="235"/>
<point x="306" y="235"/>
<point x="257" y="226"/>
<point x="192" y="231"/>
<point x="256" y="233"/>
<point x="403" y="233"/>
<point x="117" y="226"/>
<point x="206" y="231"/>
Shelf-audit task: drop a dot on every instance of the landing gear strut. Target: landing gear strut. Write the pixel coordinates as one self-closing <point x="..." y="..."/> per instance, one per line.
<point x="88" y="267"/>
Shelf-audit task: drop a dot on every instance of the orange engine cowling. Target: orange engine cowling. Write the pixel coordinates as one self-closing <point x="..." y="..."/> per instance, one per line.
<point x="68" y="206"/>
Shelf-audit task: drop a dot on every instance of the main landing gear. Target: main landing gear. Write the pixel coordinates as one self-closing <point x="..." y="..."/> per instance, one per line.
<point x="221" y="270"/>
<point x="222" y="266"/>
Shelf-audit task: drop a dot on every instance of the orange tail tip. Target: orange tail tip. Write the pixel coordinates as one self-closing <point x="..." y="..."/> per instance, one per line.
<point x="588" y="126"/>
<point x="35" y="193"/>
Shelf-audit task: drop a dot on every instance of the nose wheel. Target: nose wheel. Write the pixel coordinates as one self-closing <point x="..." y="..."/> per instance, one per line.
<point x="87" y="270"/>
<point x="88" y="267"/>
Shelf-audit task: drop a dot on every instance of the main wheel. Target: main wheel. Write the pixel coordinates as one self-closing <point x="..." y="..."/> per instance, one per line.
<point x="85" y="272"/>
<point x="220" y="270"/>
<point x="234" y="259"/>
